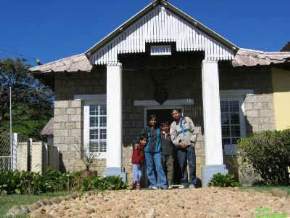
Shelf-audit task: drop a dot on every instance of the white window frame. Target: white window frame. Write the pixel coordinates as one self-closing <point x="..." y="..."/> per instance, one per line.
<point x="87" y="101"/>
<point x="236" y="95"/>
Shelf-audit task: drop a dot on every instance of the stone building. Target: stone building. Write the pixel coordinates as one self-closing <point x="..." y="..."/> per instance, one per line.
<point x="158" y="60"/>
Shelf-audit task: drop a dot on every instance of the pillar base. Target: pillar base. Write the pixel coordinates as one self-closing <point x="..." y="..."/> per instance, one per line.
<point x="209" y="170"/>
<point x="116" y="171"/>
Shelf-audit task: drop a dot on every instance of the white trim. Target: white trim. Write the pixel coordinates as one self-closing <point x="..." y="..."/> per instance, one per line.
<point x="87" y="101"/>
<point x="99" y="98"/>
<point x="240" y="95"/>
<point x="168" y="103"/>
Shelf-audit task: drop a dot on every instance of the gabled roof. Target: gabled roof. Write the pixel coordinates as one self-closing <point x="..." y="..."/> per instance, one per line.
<point x="73" y="63"/>
<point x="48" y="128"/>
<point x="173" y="9"/>
<point x="286" y="47"/>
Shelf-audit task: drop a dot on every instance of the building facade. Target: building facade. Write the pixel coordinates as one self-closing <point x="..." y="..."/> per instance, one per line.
<point x="158" y="60"/>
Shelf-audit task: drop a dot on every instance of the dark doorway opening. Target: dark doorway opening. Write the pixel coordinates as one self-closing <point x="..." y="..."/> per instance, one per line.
<point x="162" y="115"/>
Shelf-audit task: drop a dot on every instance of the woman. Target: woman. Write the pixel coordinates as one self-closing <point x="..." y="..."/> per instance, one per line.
<point x="155" y="173"/>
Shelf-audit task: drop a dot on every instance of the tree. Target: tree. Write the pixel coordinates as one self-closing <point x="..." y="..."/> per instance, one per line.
<point x="31" y="100"/>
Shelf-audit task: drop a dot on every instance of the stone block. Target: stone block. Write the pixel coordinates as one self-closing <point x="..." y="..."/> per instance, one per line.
<point x="76" y="118"/>
<point x="61" y="104"/>
<point x="76" y="104"/>
<point x="60" y="118"/>
<point x="71" y="111"/>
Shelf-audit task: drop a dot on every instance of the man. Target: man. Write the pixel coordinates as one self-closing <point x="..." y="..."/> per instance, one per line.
<point x="184" y="138"/>
<point x="167" y="153"/>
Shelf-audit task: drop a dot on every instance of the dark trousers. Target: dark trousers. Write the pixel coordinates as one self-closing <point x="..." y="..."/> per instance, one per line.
<point x="168" y="167"/>
<point x="185" y="156"/>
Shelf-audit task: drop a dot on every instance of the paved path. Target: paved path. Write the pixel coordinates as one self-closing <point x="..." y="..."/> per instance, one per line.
<point x="205" y="202"/>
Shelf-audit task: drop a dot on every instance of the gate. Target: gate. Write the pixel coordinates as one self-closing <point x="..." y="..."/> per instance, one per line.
<point x="8" y="154"/>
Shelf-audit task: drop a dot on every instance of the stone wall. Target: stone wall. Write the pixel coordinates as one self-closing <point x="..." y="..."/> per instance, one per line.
<point x="68" y="133"/>
<point x="258" y="109"/>
<point x="258" y="106"/>
<point x="68" y="116"/>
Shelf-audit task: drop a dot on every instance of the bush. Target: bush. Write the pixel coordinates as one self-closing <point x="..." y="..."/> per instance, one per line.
<point x="16" y="182"/>
<point x="221" y="180"/>
<point x="269" y="154"/>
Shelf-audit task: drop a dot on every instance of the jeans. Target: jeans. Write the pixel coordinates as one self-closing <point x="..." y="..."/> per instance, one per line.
<point x="155" y="173"/>
<point x="185" y="156"/>
<point x="168" y="167"/>
<point x="137" y="173"/>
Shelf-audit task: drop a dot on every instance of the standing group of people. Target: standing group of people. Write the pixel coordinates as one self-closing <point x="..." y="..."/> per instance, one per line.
<point x="159" y="148"/>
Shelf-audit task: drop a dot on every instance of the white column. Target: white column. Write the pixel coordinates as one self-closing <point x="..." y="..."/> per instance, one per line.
<point x="211" y="113"/>
<point x="114" y="118"/>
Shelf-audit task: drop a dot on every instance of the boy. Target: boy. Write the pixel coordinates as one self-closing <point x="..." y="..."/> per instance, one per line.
<point x="167" y="153"/>
<point x="137" y="161"/>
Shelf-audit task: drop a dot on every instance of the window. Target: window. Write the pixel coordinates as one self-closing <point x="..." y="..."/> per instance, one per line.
<point x="231" y="125"/>
<point x="95" y="125"/>
<point x="97" y="128"/>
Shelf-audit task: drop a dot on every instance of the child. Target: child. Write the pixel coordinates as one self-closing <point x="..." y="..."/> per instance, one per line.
<point x="167" y="153"/>
<point x="137" y="161"/>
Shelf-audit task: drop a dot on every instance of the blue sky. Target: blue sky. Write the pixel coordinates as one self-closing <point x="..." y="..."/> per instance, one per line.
<point x="52" y="29"/>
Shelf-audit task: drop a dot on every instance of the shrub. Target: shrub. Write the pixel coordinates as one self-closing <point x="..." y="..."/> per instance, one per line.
<point x="269" y="154"/>
<point x="221" y="180"/>
<point x="15" y="182"/>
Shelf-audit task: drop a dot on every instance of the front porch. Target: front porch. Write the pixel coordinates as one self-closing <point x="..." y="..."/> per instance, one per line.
<point x="141" y="84"/>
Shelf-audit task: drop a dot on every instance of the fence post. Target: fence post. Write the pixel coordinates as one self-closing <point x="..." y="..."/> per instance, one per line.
<point x="14" y="151"/>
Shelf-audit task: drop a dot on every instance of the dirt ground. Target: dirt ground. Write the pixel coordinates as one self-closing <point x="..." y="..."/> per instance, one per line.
<point x="204" y="202"/>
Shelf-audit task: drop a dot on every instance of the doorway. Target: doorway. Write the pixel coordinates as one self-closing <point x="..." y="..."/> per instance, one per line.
<point x="162" y="114"/>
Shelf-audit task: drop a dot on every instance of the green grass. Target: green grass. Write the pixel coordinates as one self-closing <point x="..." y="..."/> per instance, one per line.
<point x="266" y="188"/>
<point x="8" y="201"/>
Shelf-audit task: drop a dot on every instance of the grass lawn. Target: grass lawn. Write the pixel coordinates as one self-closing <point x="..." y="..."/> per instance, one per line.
<point x="266" y="188"/>
<point x="6" y="202"/>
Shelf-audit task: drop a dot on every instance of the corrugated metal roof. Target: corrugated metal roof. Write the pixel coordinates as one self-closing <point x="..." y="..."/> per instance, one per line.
<point x="170" y="7"/>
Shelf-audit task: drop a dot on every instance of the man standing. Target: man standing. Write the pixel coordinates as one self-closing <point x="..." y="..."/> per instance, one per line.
<point x="184" y="138"/>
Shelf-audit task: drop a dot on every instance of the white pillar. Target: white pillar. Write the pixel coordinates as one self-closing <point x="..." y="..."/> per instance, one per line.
<point x="212" y="120"/>
<point x="114" y="119"/>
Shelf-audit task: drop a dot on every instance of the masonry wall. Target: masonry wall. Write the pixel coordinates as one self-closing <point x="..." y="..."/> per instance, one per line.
<point x="68" y="116"/>
<point x="258" y="109"/>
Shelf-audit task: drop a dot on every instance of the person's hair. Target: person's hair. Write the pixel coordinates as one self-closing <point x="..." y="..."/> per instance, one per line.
<point x="152" y="117"/>
<point x="165" y="123"/>
<point x="142" y="137"/>
<point x="177" y="110"/>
